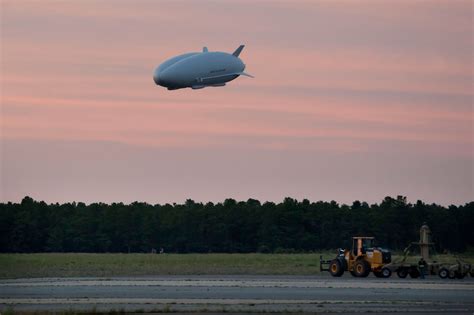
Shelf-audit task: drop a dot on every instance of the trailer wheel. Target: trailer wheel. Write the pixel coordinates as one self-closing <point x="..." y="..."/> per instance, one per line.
<point x="414" y="273"/>
<point x="362" y="268"/>
<point x="353" y="273"/>
<point x="443" y="273"/>
<point x="402" y="273"/>
<point x="451" y="274"/>
<point x="386" y="273"/>
<point x="335" y="268"/>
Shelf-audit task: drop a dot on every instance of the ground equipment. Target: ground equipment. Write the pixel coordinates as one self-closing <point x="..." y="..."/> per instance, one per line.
<point x="455" y="271"/>
<point x="363" y="258"/>
<point x="444" y="270"/>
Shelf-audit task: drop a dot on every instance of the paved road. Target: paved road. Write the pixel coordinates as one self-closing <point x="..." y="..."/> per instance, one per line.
<point x="241" y="294"/>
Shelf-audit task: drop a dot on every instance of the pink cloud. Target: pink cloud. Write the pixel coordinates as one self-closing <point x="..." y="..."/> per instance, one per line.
<point x="372" y="78"/>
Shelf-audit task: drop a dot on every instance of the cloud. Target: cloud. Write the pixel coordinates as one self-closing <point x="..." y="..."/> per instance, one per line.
<point x="376" y="79"/>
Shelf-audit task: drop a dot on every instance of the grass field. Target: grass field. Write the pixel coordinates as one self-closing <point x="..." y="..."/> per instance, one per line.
<point x="75" y="265"/>
<point x="103" y="265"/>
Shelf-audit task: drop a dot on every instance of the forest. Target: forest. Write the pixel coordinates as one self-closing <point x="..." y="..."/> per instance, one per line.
<point x="228" y="227"/>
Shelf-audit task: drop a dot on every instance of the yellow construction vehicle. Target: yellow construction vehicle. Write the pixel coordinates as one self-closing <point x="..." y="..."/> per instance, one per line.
<point x="363" y="258"/>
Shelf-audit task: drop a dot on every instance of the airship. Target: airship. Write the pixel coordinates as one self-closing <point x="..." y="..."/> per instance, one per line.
<point x="197" y="70"/>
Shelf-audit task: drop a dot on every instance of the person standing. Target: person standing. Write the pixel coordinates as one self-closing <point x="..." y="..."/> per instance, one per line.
<point x="422" y="267"/>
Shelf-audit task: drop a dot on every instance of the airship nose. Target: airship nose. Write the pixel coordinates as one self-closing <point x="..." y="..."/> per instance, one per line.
<point x="156" y="78"/>
<point x="165" y="78"/>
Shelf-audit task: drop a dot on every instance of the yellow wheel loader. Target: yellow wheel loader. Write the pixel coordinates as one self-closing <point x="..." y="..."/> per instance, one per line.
<point x="363" y="258"/>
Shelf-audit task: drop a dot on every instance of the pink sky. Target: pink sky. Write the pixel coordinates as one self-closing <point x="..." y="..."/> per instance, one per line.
<point x="351" y="100"/>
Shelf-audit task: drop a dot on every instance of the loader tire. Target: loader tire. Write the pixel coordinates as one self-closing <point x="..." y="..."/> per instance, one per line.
<point x="402" y="273"/>
<point x="335" y="268"/>
<point x="443" y="273"/>
<point x="362" y="268"/>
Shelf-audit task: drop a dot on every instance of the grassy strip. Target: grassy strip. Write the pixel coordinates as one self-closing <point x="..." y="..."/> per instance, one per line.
<point x="104" y="265"/>
<point x="75" y="265"/>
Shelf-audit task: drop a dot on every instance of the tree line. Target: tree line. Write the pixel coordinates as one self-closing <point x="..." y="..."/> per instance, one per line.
<point x="231" y="226"/>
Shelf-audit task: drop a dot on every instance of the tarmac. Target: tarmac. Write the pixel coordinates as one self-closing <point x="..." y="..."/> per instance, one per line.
<point x="240" y="294"/>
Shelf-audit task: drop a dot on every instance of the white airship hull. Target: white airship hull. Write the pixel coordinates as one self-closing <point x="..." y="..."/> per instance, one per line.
<point x="199" y="70"/>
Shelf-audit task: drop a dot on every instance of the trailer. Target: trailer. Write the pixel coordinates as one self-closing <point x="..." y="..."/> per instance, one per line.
<point x="459" y="270"/>
<point x="402" y="268"/>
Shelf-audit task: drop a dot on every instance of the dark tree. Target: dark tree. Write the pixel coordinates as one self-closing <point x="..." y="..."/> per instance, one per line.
<point x="231" y="226"/>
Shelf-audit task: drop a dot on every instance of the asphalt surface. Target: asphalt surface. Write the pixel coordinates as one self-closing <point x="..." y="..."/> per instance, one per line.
<point x="241" y="294"/>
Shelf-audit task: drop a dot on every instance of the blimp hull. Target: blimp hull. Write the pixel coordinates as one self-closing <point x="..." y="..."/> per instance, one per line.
<point x="199" y="70"/>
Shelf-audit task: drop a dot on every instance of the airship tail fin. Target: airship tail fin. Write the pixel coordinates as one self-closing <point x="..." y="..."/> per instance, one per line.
<point x="238" y="50"/>
<point x="247" y="75"/>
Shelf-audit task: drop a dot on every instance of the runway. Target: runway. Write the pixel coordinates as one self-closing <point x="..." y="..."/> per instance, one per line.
<point x="240" y="294"/>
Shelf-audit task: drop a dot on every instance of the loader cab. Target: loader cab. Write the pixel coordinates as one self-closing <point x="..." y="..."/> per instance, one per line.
<point x="362" y="244"/>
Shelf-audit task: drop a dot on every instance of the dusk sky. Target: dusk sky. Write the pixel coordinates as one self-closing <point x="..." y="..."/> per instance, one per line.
<point x="350" y="100"/>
